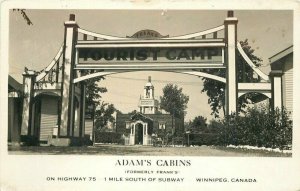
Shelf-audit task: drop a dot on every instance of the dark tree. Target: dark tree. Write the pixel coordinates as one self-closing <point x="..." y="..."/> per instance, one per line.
<point x="133" y="112"/>
<point x="198" y="124"/>
<point x="215" y="90"/>
<point x="103" y="111"/>
<point x="93" y="91"/>
<point x="173" y="100"/>
<point x="103" y="115"/>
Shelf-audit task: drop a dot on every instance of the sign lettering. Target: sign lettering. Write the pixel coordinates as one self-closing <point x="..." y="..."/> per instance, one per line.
<point x="105" y="55"/>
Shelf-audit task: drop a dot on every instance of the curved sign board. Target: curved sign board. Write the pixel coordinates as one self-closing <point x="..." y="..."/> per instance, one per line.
<point x="147" y="34"/>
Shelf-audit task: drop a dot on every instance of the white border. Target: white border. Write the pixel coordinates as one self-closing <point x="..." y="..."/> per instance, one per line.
<point x="29" y="172"/>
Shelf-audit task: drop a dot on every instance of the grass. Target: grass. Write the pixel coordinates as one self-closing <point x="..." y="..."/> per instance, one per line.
<point x="143" y="151"/>
<point x="255" y="152"/>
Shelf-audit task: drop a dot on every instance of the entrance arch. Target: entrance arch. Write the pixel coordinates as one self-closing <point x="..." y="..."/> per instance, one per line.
<point x="139" y="134"/>
<point x="187" y="54"/>
<point x="184" y="54"/>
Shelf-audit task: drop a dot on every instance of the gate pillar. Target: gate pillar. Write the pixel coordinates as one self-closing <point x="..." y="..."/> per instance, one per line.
<point x="230" y="62"/>
<point x="28" y="81"/>
<point x="276" y="77"/>
<point x="82" y="109"/>
<point x="67" y="114"/>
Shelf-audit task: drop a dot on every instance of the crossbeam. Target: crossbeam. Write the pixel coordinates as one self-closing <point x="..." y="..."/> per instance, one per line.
<point x="149" y="44"/>
<point x="263" y="88"/>
<point x="147" y="66"/>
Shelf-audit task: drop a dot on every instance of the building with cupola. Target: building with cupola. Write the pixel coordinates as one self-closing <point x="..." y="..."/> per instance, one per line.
<point x="148" y="104"/>
<point x="140" y="128"/>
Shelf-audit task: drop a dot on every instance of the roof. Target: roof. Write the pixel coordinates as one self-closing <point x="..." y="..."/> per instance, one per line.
<point x="281" y="54"/>
<point x="149" y="82"/>
<point x="14" y="84"/>
<point x="138" y="116"/>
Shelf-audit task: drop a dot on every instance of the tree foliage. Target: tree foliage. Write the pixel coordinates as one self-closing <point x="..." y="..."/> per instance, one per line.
<point x="104" y="114"/>
<point x="94" y="91"/>
<point x="133" y="112"/>
<point x="215" y="90"/>
<point x="173" y="100"/>
<point x="24" y="15"/>
<point x="197" y="124"/>
<point x="199" y="121"/>
<point x="103" y="111"/>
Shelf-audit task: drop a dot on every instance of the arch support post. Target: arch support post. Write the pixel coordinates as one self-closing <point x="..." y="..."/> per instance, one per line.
<point x="28" y="81"/>
<point x="82" y="109"/>
<point x="67" y="113"/>
<point x="276" y="83"/>
<point x="230" y="62"/>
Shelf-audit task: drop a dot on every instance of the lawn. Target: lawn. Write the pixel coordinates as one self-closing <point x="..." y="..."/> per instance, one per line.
<point x="143" y="151"/>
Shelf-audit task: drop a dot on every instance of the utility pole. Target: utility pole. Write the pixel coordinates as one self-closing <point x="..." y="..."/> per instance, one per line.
<point x="93" y="117"/>
<point x="173" y="126"/>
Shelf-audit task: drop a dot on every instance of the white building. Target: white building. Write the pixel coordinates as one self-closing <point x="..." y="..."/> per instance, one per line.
<point x="282" y="65"/>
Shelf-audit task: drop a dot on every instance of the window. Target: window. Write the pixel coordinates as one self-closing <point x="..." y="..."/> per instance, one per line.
<point x="127" y="125"/>
<point x="162" y="125"/>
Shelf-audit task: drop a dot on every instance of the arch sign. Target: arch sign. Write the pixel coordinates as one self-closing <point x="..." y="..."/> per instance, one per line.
<point x="153" y="58"/>
<point x="145" y="50"/>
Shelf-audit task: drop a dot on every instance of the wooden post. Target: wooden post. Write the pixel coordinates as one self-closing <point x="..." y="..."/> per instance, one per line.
<point x="28" y="81"/>
<point x="82" y="109"/>
<point x="230" y="60"/>
<point x="276" y="82"/>
<point x="67" y="114"/>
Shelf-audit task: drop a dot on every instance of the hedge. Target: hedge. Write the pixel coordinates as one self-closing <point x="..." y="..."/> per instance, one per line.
<point x="80" y="141"/>
<point x="108" y="137"/>
<point x="202" y="139"/>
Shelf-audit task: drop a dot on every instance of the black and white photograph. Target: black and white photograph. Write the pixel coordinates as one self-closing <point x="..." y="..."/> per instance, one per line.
<point x="142" y="97"/>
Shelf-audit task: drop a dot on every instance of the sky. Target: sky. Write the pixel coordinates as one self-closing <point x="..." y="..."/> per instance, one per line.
<point x="35" y="46"/>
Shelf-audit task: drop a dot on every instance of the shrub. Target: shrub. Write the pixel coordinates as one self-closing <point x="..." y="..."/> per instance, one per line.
<point x="263" y="127"/>
<point x="107" y="137"/>
<point x="208" y="135"/>
<point x="29" y="140"/>
<point x="80" y="141"/>
<point x="202" y="139"/>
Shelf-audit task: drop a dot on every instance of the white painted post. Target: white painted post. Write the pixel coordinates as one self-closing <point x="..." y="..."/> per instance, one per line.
<point x="131" y="142"/>
<point x="75" y="129"/>
<point x="82" y="109"/>
<point x="276" y="80"/>
<point x="133" y="135"/>
<point x="230" y="61"/>
<point x="145" y="134"/>
<point x="67" y="113"/>
<point x="28" y="81"/>
<point x="151" y="92"/>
